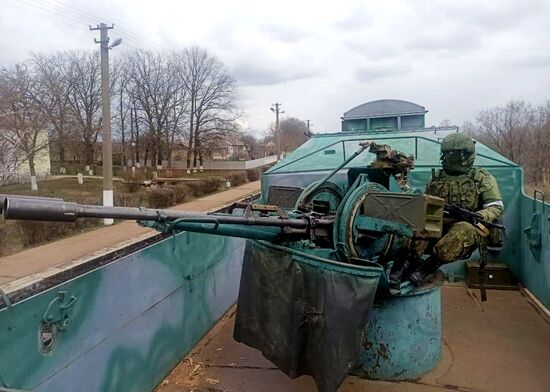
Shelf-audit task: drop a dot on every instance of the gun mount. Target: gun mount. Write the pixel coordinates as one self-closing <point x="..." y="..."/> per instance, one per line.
<point x="366" y="224"/>
<point x="323" y="259"/>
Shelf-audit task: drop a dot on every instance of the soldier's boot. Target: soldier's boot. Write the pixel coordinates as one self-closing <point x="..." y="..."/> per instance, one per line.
<point x="426" y="269"/>
<point x="400" y="269"/>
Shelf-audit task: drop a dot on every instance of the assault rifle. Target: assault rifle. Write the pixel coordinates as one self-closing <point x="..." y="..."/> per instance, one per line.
<point x="454" y="212"/>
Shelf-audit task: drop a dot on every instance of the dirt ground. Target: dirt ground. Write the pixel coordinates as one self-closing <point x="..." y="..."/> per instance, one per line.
<point x="501" y="345"/>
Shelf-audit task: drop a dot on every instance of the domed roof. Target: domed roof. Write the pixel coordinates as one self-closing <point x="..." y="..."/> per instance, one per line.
<point x="384" y="108"/>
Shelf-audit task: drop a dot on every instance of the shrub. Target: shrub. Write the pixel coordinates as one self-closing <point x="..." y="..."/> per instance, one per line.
<point x="34" y="233"/>
<point x="236" y="178"/>
<point x="195" y="188"/>
<point x="253" y="174"/>
<point x="211" y="185"/>
<point x="161" y="197"/>
<point x="132" y="183"/>
<point x="205" y="186"/>
<point x="181" y="193"/>
<point x="125" y="199"/>
<point x="171" y="195"/>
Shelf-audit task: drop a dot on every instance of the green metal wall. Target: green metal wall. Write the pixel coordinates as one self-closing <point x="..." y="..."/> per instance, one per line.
<point x="133" y="320"/>
<point x="354" y="125"/>
<point x="378" y="123"/>
<point x="533" y="265"/>
<point x="412" y="122"/>
<point x="384" y="123"/>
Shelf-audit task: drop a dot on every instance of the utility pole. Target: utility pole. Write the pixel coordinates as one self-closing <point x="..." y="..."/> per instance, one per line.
<point x="106" y="114"/>
<point x="308" y="125"/>
<point x="276" y="108"/>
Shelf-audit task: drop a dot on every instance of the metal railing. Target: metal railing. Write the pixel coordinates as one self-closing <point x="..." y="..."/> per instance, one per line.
<point x="374" y="137"/>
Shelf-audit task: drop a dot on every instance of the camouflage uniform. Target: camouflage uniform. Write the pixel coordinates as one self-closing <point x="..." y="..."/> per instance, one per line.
<point x="472" y="188"/>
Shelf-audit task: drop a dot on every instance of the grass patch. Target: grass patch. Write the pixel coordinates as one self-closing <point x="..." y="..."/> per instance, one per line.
<point x="66" y="188"/>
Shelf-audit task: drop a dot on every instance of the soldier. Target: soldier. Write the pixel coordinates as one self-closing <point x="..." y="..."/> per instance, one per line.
<point x="469" y="187"/>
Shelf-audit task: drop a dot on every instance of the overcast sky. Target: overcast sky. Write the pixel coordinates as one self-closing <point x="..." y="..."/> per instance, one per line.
<point x="320" y="59"/>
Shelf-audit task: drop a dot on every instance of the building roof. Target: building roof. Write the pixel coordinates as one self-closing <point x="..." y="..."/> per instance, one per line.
<point x="384" y="108"/>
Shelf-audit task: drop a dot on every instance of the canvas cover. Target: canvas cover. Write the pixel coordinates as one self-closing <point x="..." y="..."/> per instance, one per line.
<point x="306" y="314"/>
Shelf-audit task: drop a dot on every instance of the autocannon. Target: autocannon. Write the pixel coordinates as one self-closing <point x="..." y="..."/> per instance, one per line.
<point x="367" y="223"/>
<point x="311" y="273"/>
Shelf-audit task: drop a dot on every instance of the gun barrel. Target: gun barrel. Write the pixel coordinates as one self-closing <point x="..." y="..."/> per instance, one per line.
<point x="57" y="210"/>
<point x="4" y="197"/>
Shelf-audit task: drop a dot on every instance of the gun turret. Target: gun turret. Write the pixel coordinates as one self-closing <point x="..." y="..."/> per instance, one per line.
<point x="362" y="231"/>
<point x="367" y="223"/>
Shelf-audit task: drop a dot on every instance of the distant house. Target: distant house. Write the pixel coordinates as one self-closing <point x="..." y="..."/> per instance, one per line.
<point x="384" y="114"/>
<point x="118" y="151"/>
<point x="270" y="148"/>
<point x="179" y="151"/>
<point x="229" y="149"/>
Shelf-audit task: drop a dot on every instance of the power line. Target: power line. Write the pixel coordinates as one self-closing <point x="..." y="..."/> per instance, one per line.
<point x="128" y="34"/>
<point x="46" y="11"/>
<point x="37" y="12"/>
<point x="56" y="7"/>
<point x="63" y="10"/>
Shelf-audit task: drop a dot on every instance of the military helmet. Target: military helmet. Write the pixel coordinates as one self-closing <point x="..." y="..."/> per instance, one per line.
<point x="458" y="153"/>
<point x="458" y="141"/>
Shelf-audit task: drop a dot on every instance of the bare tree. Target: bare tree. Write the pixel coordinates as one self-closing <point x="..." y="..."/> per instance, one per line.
<point x="518" y="131"/>
<point x="23" y="121"/>
<point x="52" y="94"/>
<point x="539" y="144"/>
<point x="251" y="144"/>
<point x="159" y="102"/>
<point x="469" y="128"/>
<point x="293" y="133"/>
<point x="10" y="161"/>
<point x="155" y="91"/>
<point x="211" y="92"/>
<point x="82" y="69"/>
<point x="134" y="134"/>
<point x="177" y="121"/>
<point x="122" y="107"/>
<point x="504" y="128"/>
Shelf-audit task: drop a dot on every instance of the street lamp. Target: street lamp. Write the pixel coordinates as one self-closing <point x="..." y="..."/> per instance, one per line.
<point x="116" y="42"/>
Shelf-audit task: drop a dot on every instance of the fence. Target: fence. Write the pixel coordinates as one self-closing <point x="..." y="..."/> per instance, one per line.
<point x="223" y="165"/>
